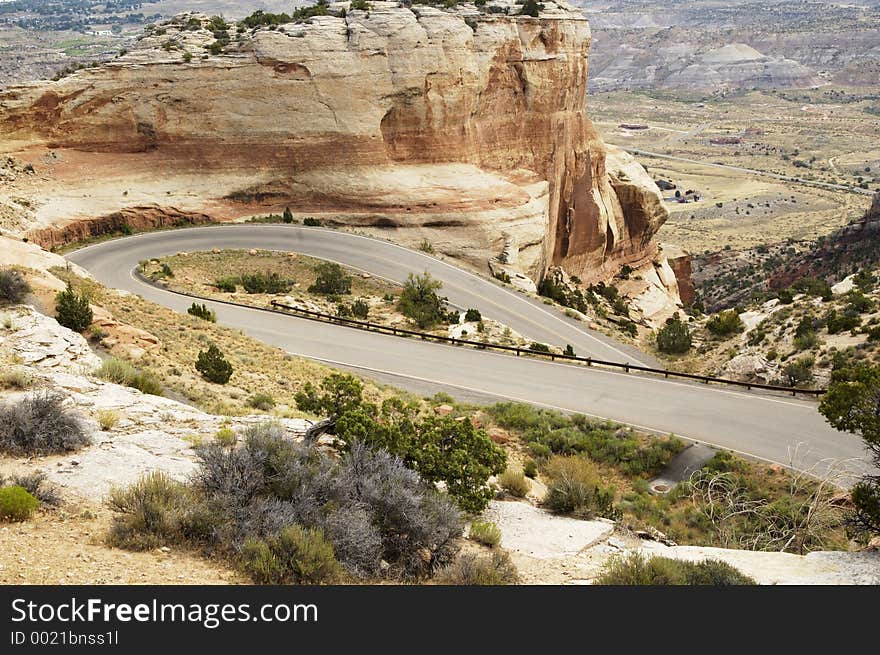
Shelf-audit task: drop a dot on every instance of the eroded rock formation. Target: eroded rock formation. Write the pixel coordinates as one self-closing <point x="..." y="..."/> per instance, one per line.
<point x="451" y="125"/>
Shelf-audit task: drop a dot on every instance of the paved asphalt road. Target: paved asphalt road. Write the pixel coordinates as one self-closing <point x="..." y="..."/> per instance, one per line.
<point x="761" y="425"/>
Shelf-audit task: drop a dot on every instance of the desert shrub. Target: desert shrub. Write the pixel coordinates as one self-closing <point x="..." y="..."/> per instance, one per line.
<point x="550" y="432"/>
<point x="331" y="280"/>
<point x="531" y="8"/>
<point x="121" y="372"/>
<point x="213" y="365"/>
<point x="360" y="309"/>
<point x="859" y="303"/>
<point x="72" y="309"/>
<point x="865" y="280"/>
<point x="202" y="312"/>
<point x="13" y="286"/>
<point x="16" y="504"/>
<point x="514" y="483"/>
<point x="339" y="394"/>
<point x="636" y="569"/>
<point x="806" y="340"/>
<point x="296" y="555"/>
<point x="813" y="287"/>
<point x="15" y="379"/>
<point x="370" y="505"/>
<point x="39" y="424"/>
<point x="438" y="447"/>
<point x="260" y="18"/>
<point x="573" y="487"/>
<point x="473" y="570"/>
<point x="287" y="216"/>
<point x="530" y="469"/>
<point x="837" y="322"/>
<point x="473" y="316"/>
<point x="320" y="8"/>
<point x="311" y="221"/>
<point x="150" y="512"/>
<point x="486" y="533"/>
<point x="226" y="284"/>
<point x="37" y="485"/>
<point x="107" y="419"/>
<point x="725" y="323"/>
<point x="420" y="302"/>
<point x="797" y="373"/>
<point x="674" y="337"/>
<point x="539" y="347"/>
<point x="264" y="283"/>
<point x="225" y="436"/>
<point x="262" y="401"/>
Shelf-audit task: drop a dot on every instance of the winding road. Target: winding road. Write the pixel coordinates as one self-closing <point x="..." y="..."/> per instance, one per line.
<point x="760" y="425"/>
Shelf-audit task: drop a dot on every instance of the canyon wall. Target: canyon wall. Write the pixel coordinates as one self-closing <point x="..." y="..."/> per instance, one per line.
<point x="463" y="126"/>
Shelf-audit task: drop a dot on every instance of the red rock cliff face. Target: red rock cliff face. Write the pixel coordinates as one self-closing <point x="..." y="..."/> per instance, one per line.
<point x="464" y="122"/>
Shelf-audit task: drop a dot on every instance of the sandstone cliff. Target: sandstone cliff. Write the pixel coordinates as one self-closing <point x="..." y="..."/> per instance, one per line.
<point x="448" y="125"/>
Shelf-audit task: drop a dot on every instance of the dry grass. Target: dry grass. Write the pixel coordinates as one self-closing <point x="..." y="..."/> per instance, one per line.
<point x="259" y="368"/>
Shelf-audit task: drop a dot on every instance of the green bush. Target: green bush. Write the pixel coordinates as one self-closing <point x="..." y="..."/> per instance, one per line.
<point x="40" y="424"/>
<point x="550" y="432"/>
<point x="420" y="302"/>
<point x="265" y="283"/>
<point x="486" y="533"/>
<point x="858" y="303"/>
<point x="287" y="216"/>
<point x="16" y="504"/>
<point x="296" y="555"/>
<point x="636" y="569"/>
<point x="837" y="322"/>
<point x="340" y="393"/>
<point x="261" y="18"/>
<point x="514" y="483"/>
<point x="865" y="280"/>
<point x="262" y="401"/>
<point x="360" y="309"/>
<point x="813" y="287"/>
<point x="311" y="221"/>
<point x="121" y="372"/>
<point x="674" y="337"/>
<point x="13" y="286"/>
<point x="473" y="316"/>
<point x="213" y="365"/>
<point x="530" y="469"/>
<point x="531" y="8"/>
<point x="202" y="312"/>
<point x="331" y="280"/>
<point x="320" y="8"/>
<point x="151" y="512"/>
<point x="37" y="485"/>
<point x="438" y="448"/>
<point x="225" y="284"/>
<point x="72" y="310"/>
<point x="539" y="347"/>
<point x="573" y="487"/>
<point x="725" y="323"/>
<point x="473" y="570"/>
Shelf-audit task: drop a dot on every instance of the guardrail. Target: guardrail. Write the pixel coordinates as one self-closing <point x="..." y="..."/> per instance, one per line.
<point x="481" y="345"/>
<point x="589" y="361"/>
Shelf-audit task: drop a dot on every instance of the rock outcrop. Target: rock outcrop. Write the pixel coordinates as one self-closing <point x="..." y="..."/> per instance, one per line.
<point x="453" y="125"/>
